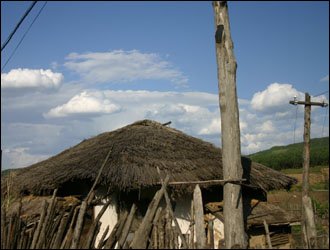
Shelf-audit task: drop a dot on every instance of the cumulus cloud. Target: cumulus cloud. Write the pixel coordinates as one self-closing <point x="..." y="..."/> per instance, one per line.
<point x="31" y="79"/>
<point x="123" y="66"/>
<point x="275" y="100"/>
<point x="325" y="79"/>
<point x="89" y="103"/>
<point x="195" y="113"/>
<point x="20" y="157"/>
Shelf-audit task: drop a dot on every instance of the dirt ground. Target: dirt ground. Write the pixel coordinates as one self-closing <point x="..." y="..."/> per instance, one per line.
<point x="291" y="202"/>
<point x="313" y="177"/>
<point x="293" y="199"/>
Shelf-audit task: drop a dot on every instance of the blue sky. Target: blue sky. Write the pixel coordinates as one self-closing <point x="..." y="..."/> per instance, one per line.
<point x="89" y="67"/>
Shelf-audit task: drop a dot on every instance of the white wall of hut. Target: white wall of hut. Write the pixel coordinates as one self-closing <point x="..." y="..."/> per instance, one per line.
<point x="182" y="213"/>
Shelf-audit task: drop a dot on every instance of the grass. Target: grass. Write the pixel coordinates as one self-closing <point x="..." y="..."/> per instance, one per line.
<point x="6" y="195"/>
<point x="316" y="169"/>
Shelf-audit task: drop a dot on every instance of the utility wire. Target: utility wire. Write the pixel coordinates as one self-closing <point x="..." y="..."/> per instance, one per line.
<point x="321" y="93"/>
<point x="325" y="116"/>
<point x="17" y="26"/>
<point x="23" y="36"/>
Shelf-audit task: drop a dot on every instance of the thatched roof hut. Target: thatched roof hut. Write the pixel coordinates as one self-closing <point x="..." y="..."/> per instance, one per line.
<point x="137" y="149"/>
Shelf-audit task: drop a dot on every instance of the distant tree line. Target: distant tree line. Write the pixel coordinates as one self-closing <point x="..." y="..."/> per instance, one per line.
<point x="291" y="156"/>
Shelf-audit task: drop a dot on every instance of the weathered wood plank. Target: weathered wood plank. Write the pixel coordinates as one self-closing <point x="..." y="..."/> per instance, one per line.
<point x="68" y="236"/>
<point x="60" y="233"/>
<point x="114" y="236"/>
<point x="210" y="234"/>
<point x="192" y="226"/>
<point x="199" y="218"/>
<point x="141" y="235"/>
<point x="91" y="231"/>
<point x="169" y="207"/>
<point x="101" y="242"/>
<point x="41" y="221"/>
<point x="127" y="227"/>
<point x="267" y="235"/>
<point x="48" y="220"/>
<point x="233" y="180"/>
<point x="84" y="205"/>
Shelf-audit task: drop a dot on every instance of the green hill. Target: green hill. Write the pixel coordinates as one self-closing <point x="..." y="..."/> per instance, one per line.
<point x="290" y="156"/>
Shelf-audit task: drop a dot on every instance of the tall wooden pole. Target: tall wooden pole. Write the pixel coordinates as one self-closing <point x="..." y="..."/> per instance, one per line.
<point x="230" y="131"/>
<point x="307" y="215"/>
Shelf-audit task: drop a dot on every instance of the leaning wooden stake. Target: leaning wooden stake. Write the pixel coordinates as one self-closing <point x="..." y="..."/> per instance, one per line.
<point x="60" y="232"/>
<point x="101" y="242"/>
<point x="230" y="131"/>
<point x="116" y="231"/>
<point x="91" y="232"/>
<point x="267" y="235"/>
<point x="83" y="208"/>
<point x="48" y="220"/>
<point x="141" y="235"/>
<point x="199" y="219"/>
<point x="41" y="221"/>
<point x="191" y="226"/>
<point x="169" y="207"/>
<point x="210" y="234"/>
<point x="127" y="227"/>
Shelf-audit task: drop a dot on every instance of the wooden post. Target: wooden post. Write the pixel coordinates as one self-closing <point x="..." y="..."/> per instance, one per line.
<point x="60" y="232"/>
<point x="101" y="242"/>
<point x="307" y="209"/>
<point x="127" y="227"/>
<point x="3" y="226"/>
<point x="91" y="232"/>
<point x="161" y="232"/>
<point x="230" y="131"/>
<point x="41" y="221"/>
<point x="113" y="237"/>
<point x="307" y="215"/>
<point x="169" y="207"/>
<point x="210" y="234"/>
<point x="191" y="226"/>
<point x="141" y="235"/>
<point x="84" y="205"/>
<point x="199" y="219"/>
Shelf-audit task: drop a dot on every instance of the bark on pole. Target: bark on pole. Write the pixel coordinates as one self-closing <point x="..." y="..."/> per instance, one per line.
<point x="230" y="131"/>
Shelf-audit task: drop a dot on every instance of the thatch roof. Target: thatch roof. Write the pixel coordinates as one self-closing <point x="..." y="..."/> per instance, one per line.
<point x="259" y="211"/>
<point x="137" y="150"/>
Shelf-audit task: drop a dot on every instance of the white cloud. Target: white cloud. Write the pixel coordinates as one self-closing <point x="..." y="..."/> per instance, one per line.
<point x="20" y="157"/>
<point x="31" y="79"/>
<point x="213" y="128"/>
<point x="325" y="79"/>
<point x="266" y="127"/>
<point x="86" y="103"/>
<point x="123" y="66"/>
<point x="275" y="100"/>
<point x="195" y="113"/>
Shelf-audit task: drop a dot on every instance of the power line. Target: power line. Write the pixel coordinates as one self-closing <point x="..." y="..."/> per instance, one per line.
<point x="321" y="93"/>
<point x="17" y="26"/>
<point x="325" y="116"/>
<point x="23" y="36"/>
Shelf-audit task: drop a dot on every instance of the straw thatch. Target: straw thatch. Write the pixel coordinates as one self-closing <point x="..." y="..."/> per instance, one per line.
<point x="257" y="213"/>
<point x="137" y="150"/>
